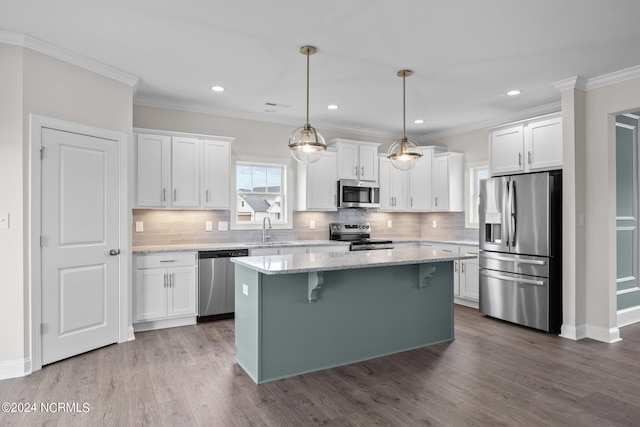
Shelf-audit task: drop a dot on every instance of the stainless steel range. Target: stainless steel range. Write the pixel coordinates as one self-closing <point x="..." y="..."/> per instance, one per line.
<point x="359" y="234"/>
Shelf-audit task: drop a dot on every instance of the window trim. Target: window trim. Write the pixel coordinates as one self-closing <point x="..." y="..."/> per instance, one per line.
<point x="470" y="176"/>
<point x="287" y="193"/>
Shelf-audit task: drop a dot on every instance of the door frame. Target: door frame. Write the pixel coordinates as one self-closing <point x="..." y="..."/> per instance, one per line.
<point x="36" y="124"/>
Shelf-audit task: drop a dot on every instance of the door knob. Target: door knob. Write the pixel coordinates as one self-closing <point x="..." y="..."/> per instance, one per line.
<point x="114" y="252"/>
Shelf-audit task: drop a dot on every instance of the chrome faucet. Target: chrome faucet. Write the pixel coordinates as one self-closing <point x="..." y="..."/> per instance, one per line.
<point x="265" y="235"/>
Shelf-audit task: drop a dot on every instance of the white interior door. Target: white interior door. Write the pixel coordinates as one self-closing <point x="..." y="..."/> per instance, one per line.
<point x="80" y="226"/>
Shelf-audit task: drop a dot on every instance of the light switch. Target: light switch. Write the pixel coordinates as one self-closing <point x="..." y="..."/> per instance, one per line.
<point x="208" y="225"/>
<point x="389" y="223"/>
<point x="312" y="225"/>
<point x="245" y="289"/>
<point x="139" y="226"/>
<point x="4" y="220"/>
<point x="434" y="224"/>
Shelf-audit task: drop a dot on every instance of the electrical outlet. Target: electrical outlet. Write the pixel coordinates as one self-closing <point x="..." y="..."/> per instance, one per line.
<point x="245" y="289"/>
<point x="139" y="226"/>
<point x="389" y="223"/>
<point x="312" y="225"/>
<point x="223" y="226"/>
<point x="208" y="225"/>
<point x="434" y="224"/>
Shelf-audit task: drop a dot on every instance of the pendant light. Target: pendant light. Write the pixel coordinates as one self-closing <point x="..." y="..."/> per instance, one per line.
<point x="306" y="143"/>
<point x="404" y="153"/>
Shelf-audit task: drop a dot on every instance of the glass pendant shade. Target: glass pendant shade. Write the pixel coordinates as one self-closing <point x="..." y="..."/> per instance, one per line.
<point x="307" y="144"/>
<point x="404" y="154"/>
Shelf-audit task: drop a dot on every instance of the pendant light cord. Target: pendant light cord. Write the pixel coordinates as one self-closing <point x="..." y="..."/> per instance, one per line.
<point x="307" y="88"/>
<point x="404" y="115"/>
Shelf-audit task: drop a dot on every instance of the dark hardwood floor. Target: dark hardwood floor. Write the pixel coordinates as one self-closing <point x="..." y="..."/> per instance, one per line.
<point x="493" y="374"/>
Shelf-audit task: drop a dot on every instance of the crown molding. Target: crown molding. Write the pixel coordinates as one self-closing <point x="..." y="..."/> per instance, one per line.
<point x="554" y="107"/>
<point x="615" y="77"/>
<point x="575" y="82"/>
<point x="148" y="101"/>
<point x="46" y="48"/>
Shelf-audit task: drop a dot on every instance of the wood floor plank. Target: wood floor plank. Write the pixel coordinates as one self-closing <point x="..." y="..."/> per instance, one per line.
<point x="493" y="374"/>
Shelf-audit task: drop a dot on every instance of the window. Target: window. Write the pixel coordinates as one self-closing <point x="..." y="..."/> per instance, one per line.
<point x="260" y="193"/>
<point x="474" y="174"/>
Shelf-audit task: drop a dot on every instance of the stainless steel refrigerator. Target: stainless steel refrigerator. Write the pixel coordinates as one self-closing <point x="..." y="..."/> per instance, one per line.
<point x="521" y="249"/>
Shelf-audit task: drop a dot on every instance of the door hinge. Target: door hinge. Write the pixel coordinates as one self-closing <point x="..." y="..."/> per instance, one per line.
<point x="43" y="329"/>
<point x="41" y="152"/>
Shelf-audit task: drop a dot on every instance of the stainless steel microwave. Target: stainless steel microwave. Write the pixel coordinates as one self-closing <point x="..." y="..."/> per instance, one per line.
<point x="358" y="194"/>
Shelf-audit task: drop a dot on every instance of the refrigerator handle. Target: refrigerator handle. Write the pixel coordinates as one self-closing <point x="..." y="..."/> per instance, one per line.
<point x="506" y="209"/>
<point x="512" y="213"/>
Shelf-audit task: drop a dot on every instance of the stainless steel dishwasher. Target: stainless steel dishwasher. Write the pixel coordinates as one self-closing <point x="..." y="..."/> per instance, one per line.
<point x="216" y="281"/>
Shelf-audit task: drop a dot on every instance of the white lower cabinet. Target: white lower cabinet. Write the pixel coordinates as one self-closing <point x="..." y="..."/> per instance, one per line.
<point x="466" y="273"/>
<point x="164" y="290"/>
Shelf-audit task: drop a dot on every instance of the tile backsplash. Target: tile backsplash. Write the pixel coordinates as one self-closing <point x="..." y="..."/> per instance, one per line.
<point x="163" y="227"/>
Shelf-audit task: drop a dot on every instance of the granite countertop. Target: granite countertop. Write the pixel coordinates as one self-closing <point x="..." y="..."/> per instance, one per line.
<point x="189" y="247"/>
<point x="306" y="263"/>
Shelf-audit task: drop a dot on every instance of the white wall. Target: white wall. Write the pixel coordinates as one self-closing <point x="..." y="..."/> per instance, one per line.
<point x="474" y="145"/>
<point x="33" y="83"/>
<point x="602" y="105"/>
<point x="13" y="312"/>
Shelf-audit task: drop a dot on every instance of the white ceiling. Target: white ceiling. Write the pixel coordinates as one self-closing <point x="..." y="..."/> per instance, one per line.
<point x="465" y="54"/>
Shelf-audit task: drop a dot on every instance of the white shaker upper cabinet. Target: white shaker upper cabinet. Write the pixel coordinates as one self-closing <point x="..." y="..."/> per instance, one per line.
<point x="448" y="182"/>
<point x="394" y="185"/>
<point x="317" y="184"/>
<point x="185" y="172"/>
<point x="357" y="160"/>
<point x="529" y="146"/>
<point x="216" y="187"/>
<point x="153" y="170"/>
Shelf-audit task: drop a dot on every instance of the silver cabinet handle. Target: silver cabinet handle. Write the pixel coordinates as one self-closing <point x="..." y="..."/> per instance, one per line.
<point x="164" y="194"/>
<point x="355" y="170"/>
<point x="175" y="194"/>
<point x="436" y="201"/>
<point x="167" y="260"/>
<point x="455" y="266"/>
<point x="172" y="280"/>
<point x="206" y="196"/>
<point x="529" y="157"/>
<point x="462" y="267"/>
<point x="362" y="171"/>
<point x="519" y="159"/>
<point x="114" y="252"/>
<point x="411" y="202"/>
<point x="164" y="276"/>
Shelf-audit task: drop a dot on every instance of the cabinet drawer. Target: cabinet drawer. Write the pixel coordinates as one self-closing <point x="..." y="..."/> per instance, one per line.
<point x="172" y="259"/>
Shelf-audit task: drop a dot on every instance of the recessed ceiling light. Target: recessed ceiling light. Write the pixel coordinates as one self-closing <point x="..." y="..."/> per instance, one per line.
<point x="217" y="88"/>
<point x="333" y="107"/>
<point x="513" y="92"/>
<point x="270" y="110"/>
<point x="418" y="121"/>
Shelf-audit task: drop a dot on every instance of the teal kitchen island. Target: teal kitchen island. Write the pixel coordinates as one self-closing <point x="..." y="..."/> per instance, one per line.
<point x="302" y="313"/>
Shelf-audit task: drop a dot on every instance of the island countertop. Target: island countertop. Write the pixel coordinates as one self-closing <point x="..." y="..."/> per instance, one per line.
<point x="306" y="263"/>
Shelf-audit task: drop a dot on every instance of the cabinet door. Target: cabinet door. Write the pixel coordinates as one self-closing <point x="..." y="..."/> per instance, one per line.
<point x="440" y="183"/>
<point x="470" y="279"/>
<point x="348" y="161"/>
<point x="216" y="182"/>
<point x="505" y="150"/>
<point x="543" y="143"/>
<point x="150" y="294"/>
<point x="181" y="292"/>
<point x="386" y="197"/>
<point x="153" y="170"/>
<point x="399" y="187"/>
<point x="185" y="172"/>
<point x="322" y="184"/>
<point x="420" y="184"/>
<point x="368" y="163"/>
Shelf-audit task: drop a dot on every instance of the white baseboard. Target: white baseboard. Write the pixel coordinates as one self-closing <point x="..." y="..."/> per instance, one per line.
<point x="165" y="323"/>
<point x="573" y="332"/>
<point x="130" y="335"/>
<point x="15" y="368"/>
<point x="628" y="316"/>
<point x="603" y="334"/>
<point x="466" y="302"/>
